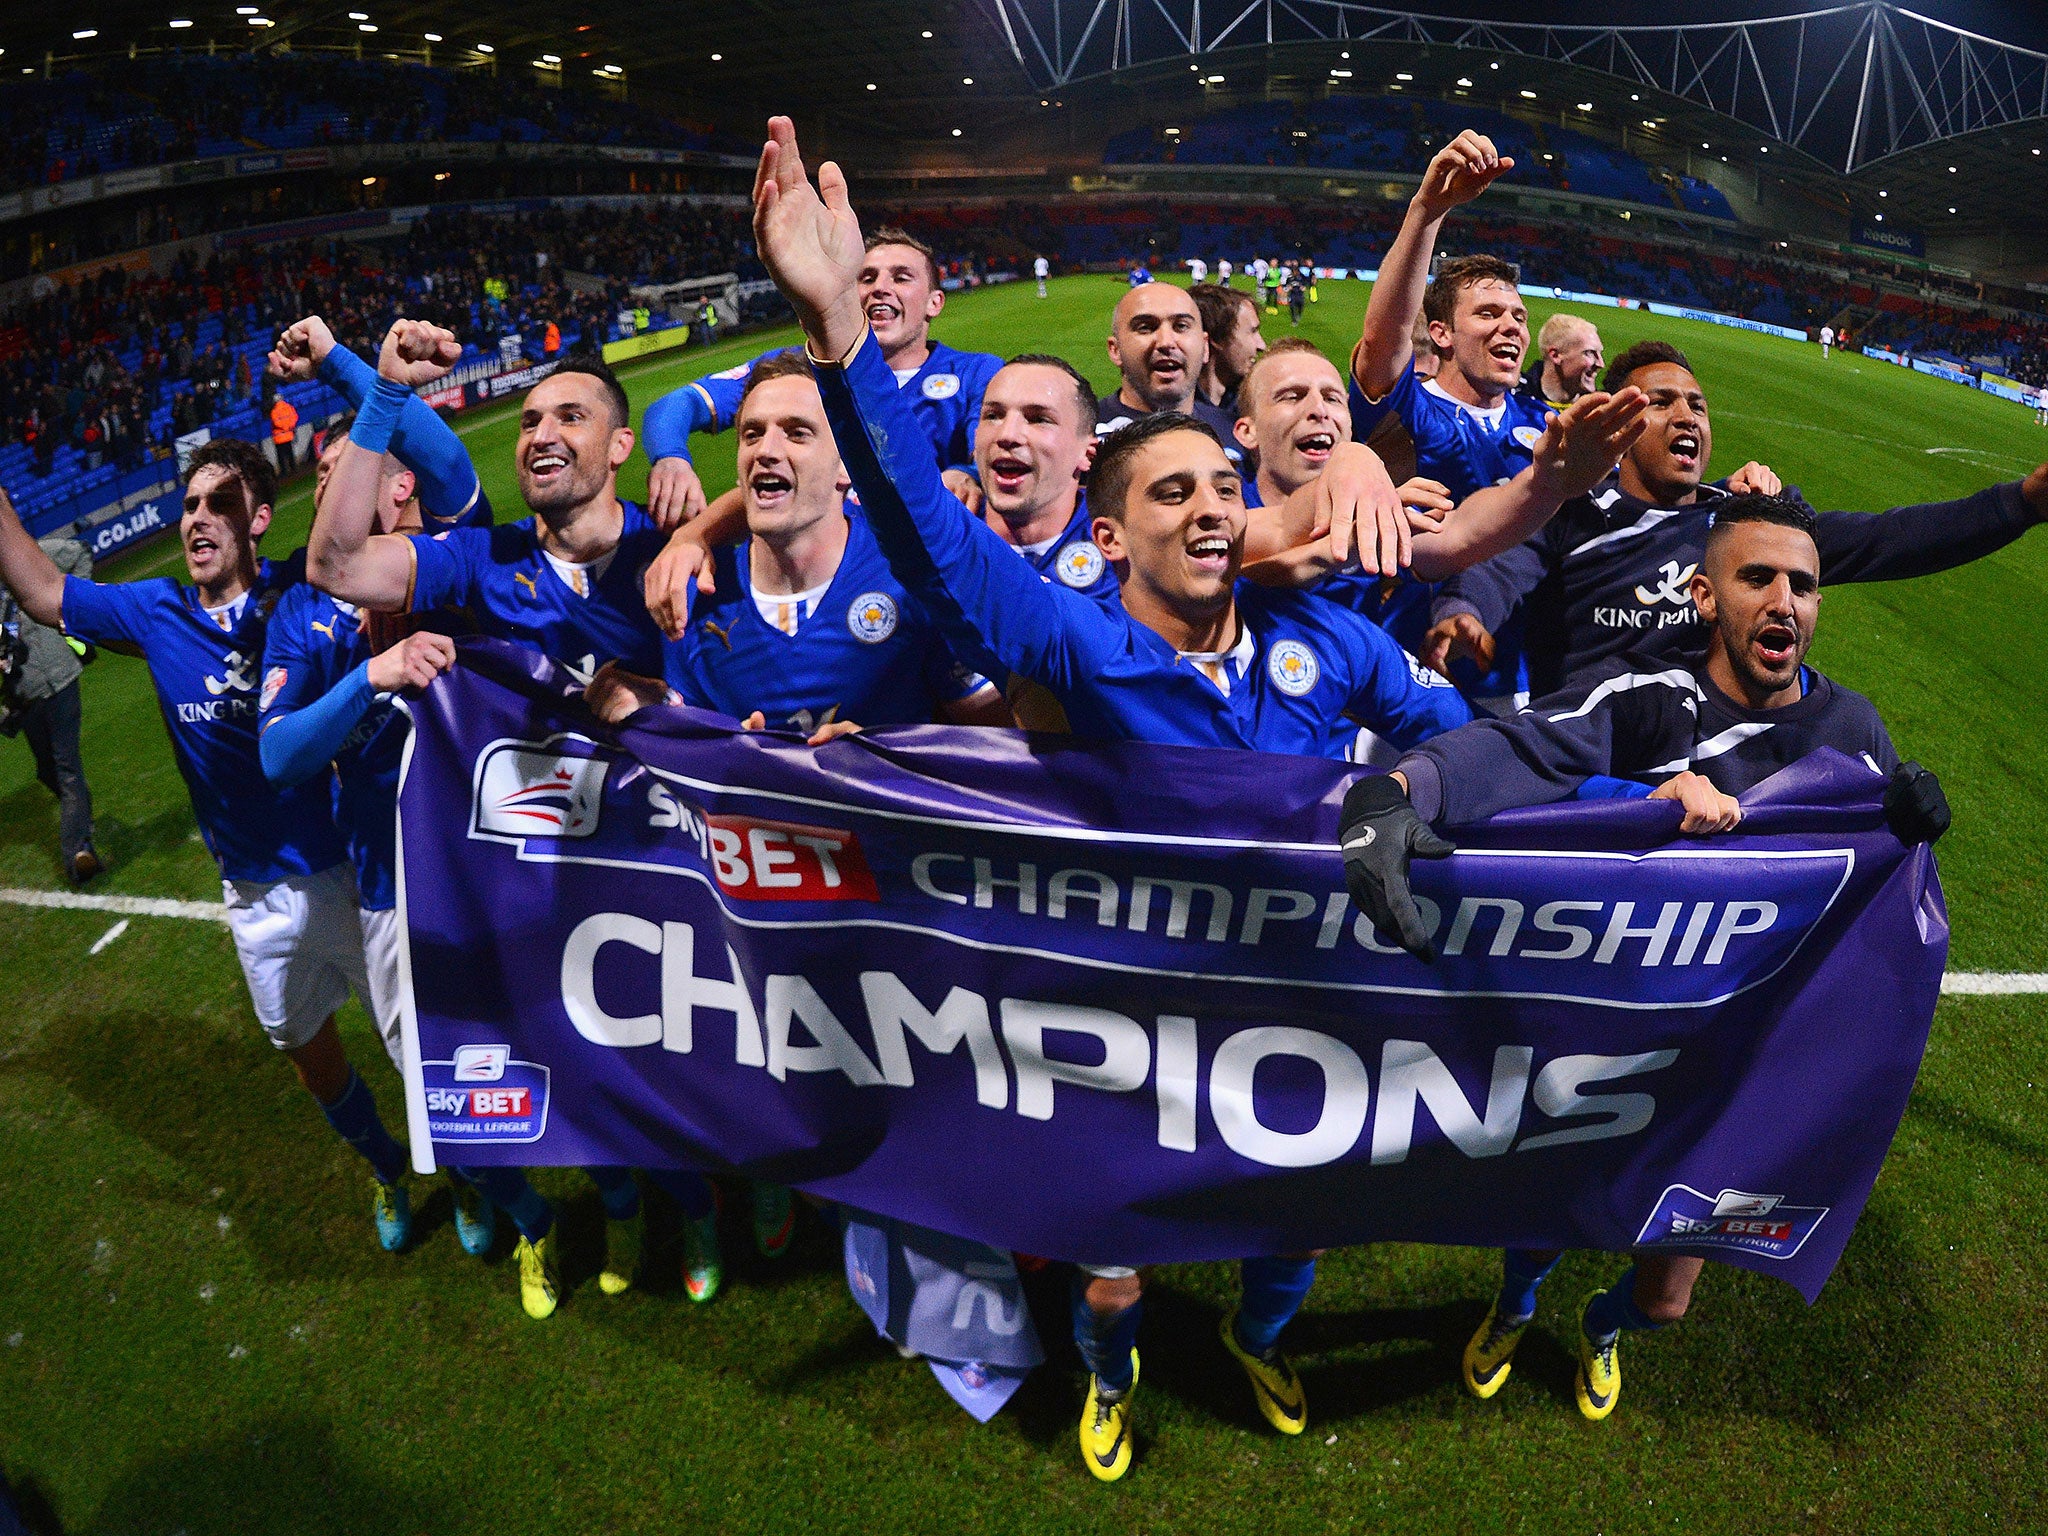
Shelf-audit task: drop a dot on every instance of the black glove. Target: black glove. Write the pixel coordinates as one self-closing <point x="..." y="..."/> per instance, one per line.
<point x="1914" y="807"/>
<point x="1380" y="832"/>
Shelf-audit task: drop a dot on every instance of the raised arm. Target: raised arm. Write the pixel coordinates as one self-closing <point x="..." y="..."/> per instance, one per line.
<point x="1460" y="171"/>
<point x="346" y="555"/>
<point x="1920" y="540"/>
<point x="449" y="489"/>
<point x="811" y="243"/>
<point x="29" y="572"/>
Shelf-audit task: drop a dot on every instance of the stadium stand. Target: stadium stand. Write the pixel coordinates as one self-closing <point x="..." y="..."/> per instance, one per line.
<point x="1362" y="134"/>
<point x="181" y="107"/>
<point x="98" y="378"/>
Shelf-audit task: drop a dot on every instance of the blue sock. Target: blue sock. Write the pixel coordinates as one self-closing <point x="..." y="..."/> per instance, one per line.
<point x="507" y="1189"/>
<point x="1105" y="1340"/>
<point x="1520" y="1273"/>
<point x="620" y="1194"/>
<point x="1274" y="1290"/>
<point x="691" y="1191"/>
<point x="1615" y="1308"/>
<point x="354" y="1118"/>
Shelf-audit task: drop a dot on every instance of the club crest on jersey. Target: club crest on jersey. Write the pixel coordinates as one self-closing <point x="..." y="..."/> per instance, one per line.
<point x="872" y="618"/>
<point x="527" y="791"/>
<point x="1079" y="565"/>
<point x="273" y="684"/>
<point x="1527" y="436"/>
<point x="942" y="386"/>
<point x="1293" y="667"/>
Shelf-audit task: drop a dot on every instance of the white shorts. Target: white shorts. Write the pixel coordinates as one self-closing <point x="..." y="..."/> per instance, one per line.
<point x="381" y="936"/>
<point x="301" y="945"/>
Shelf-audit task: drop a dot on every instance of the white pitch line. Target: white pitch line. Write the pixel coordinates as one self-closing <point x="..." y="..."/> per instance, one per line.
<point x="1992" y="983"/>
<point x="1953" y="984"/>
<point x="129" y="906"/>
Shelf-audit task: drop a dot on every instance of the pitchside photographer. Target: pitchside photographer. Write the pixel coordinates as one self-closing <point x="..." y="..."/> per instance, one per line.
<point x="39" y="670"/>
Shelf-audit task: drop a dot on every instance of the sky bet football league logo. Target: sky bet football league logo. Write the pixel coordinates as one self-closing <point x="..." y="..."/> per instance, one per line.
<point x="1760" y="1224"/>
<point x="484" y="1095"/>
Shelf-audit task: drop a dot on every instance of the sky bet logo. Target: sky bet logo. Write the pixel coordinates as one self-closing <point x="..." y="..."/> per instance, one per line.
<point x="753" y="859"/>
<point x="484" y="1095"/>
<point x="1760" y="1224"/>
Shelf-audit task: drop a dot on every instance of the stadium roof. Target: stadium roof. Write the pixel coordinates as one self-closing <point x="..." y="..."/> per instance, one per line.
<point x="1932" y="117"/>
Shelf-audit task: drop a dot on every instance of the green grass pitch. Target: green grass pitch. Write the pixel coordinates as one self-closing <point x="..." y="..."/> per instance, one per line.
<point x="198" y="1334"/>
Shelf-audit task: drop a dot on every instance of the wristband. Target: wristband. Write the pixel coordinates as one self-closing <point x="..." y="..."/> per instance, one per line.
<point x="378" y="419"/>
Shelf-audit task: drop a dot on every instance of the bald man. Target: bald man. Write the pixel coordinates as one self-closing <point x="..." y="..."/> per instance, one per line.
<point x="1157" y="342"/>
<point x="1567" y="365"/>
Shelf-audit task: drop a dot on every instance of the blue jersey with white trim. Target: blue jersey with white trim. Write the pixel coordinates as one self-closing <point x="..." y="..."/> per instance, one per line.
<point x="1302" y="667"/>
<point x="869" y="652"/>
<point x="206" y="681"/>
<point x="505" y="581"/>
<point x="1456" y="444"/>
<point x="945" y="396"/>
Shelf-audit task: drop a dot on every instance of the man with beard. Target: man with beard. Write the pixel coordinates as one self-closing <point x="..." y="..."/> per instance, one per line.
<point x="1158" y="345"/>
<point x="1703" y="731"/>
<point x="291" y="902"/>
<point x="1609" y="577"/>
<point x="566" y="581"/>
<point x="329" y="674"/>
<point x="1567" y="364"/>
<point x="901" y="296"/>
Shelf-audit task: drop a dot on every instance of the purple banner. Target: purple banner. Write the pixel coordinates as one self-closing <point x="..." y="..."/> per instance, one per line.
<point x="1112" y="1002"/>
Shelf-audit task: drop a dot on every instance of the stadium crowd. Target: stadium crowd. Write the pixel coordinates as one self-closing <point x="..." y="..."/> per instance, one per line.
<point x="181" y="106"/>
<point x="1029" y="553"/>
<point x="118" y="364"/>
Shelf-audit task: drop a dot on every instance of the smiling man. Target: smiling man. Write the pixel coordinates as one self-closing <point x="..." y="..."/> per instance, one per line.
<point x="1610" y="576"/>
<point x="1701" y="733"/>
<point x="1032" y="450"/>
<point x="1189" y="654"/>
<point x="1469" y="426"/>
<point x="565" y="580"/>
<point x="807" y="627"/>
<point x="285" y="880"/>
<point x="1568" y="357"/>
<point x="901" y="296"/>
<point x="1157" y="342"/>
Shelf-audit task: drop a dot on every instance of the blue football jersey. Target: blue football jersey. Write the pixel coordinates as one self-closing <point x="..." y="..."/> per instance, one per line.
<point x="504" y="580"/>
<point x="1073" y="560"/>
<point x="206" y="681"/>
<point x="1455" y="444"/>
<point x="314" y="642"/>
<point x="869" y="652"/>
<point x="945" y="396"/>
<point x="1302" y="668"/>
